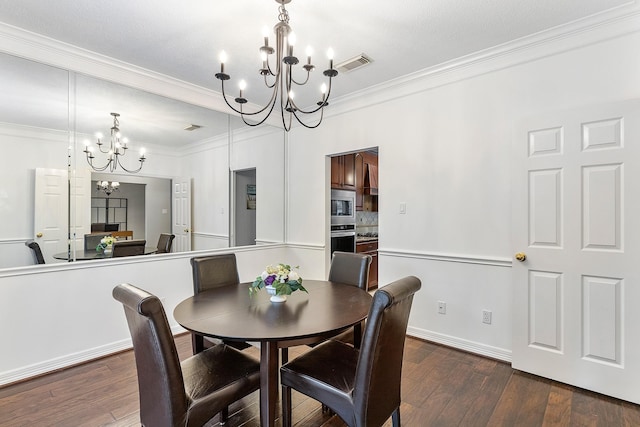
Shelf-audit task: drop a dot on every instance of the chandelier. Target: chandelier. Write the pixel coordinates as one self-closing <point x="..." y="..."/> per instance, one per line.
<point x="117" y="148"/>
<point x="108" y="187"/>
<point x="280" y="80"/>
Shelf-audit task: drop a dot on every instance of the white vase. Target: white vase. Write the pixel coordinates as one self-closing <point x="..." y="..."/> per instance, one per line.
<point x="108" y="249"/>
<point x="275" y="298"/>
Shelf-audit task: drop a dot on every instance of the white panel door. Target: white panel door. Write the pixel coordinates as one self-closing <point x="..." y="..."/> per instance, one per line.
<point x="576" y="213"/>
<point x="51" y="198"/>
<point x="80" y="206"/>
<point x="181" y="215"/>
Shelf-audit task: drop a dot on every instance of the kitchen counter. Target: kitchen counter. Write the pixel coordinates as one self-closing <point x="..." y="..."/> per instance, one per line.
<point x="366" y="239"/>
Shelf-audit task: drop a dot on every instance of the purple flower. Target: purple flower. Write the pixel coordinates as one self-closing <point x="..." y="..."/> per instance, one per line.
<point x="269" y="280"/>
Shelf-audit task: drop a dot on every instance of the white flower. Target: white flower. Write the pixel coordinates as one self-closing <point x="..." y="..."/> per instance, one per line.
<point x="264" y="275"/>
<point x="294" y="276"/>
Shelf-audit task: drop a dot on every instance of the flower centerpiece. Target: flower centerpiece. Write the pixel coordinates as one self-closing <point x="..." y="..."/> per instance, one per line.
<point x="106" y="243"/>
<point x="279" y="280"/>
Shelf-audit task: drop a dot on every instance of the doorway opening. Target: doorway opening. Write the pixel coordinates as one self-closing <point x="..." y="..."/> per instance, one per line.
<point x="245" y="208"/>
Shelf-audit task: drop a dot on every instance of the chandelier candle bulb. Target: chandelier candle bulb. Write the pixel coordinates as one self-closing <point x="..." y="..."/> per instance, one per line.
<point x="309" y="53"/>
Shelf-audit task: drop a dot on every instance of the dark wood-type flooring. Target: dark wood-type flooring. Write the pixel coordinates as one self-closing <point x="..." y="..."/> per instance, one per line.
<point x="441" y="387"/>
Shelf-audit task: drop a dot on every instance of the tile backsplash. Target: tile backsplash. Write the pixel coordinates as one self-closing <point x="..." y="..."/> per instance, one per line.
<point x="367" y="221"/>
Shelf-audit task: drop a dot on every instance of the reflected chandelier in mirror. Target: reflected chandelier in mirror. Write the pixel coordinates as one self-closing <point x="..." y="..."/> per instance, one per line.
<point x="117" y="149"/>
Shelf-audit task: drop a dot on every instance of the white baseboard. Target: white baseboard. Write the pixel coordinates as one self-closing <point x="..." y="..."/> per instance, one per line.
<point x="69" y="360"/>
<point x="461" y="344"/>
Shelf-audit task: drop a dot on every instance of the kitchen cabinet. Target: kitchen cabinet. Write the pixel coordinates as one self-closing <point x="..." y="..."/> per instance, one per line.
<point x="370" y="247"/>
<point x="366" y="170"/>
<point x="343" y="172"/>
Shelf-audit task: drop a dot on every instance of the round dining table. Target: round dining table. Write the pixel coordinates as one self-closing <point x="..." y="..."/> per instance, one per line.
<point x="233" y="313"/>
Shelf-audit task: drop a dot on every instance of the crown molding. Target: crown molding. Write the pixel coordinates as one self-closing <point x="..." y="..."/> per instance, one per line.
<point x="609" y="24"/>
<point x="613" y="23"/>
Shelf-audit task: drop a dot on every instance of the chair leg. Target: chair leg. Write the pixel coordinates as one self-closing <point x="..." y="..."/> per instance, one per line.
<point x="285" y="355"/>
<point x="286" y="406"/>
<point x="395" y="417"/>
<point x="224" y="415"/>
<point x="197" y="343"/>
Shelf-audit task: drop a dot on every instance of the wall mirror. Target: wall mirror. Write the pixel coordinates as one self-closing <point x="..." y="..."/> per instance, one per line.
<point x="48" y="113"/>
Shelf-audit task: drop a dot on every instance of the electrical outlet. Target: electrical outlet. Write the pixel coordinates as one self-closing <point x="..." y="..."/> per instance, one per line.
<point x="486" y="316"/>
<point x="442" y="307"/>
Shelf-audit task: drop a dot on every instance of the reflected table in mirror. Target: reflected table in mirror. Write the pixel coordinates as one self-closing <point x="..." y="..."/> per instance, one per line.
<point x="232" y="313"/>
<point x="88" y="255"/>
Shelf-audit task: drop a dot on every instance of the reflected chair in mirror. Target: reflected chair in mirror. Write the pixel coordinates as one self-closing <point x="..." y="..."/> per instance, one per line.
<point x="91" y="241"/>
<point x="361" y="386"/>
<point x="97" y="227"/>
<point x="213" y="272"/>
<point x="174" y="393"/>
<point x="112" y="227"/>
<point x="35" y="249"/>
<point x="164" y="243"/>
<point x="128" y="248"/>
<point x="348" y="268"/>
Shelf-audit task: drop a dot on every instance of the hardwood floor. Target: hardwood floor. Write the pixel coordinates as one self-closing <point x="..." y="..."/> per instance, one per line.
<point x="441" y="387"/>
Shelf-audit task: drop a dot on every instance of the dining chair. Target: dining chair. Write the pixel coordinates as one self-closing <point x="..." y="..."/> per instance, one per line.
<point x="174" y="393"/>
<point x="91" y="241"/>
<point x="37" y="252"/>
<point x="164" y="243"/>
<point x="361" y="386"/>
<point x="128" y="248"/>
<point x="213" y="272"/>
<point x="351" y="269"/>
<point x="348" y="268"/>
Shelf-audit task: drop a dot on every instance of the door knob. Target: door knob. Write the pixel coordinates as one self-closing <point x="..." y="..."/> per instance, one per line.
<point x="39" y="235"/>
<point x="521" y="256"/>
<point x="186" y="230"/>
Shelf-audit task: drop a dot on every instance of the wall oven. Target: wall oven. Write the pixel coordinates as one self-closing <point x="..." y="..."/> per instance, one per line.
<point x="343" y="207"/>
<point x="343" y="238"/>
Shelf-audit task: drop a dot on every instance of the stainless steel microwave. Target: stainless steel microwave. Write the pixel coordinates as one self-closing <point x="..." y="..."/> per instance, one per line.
<point x="343" y="207"/>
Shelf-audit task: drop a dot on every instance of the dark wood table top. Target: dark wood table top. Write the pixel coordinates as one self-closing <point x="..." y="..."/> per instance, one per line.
<point x="231" y="312"/>
<point x="87" y="255"/>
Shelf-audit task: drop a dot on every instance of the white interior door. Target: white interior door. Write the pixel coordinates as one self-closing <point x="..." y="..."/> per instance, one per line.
<point x="51" y="205"/>
<point x="576" y="216"/>
<point x="80" y="206"/>
<point x="181" y="215"/>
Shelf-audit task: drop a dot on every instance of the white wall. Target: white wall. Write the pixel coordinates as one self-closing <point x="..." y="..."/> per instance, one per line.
<point x="23" y="150"/>
<point x="445" y="152"/>
<point x="56" y="315"/>
<point x="208" y="166"/>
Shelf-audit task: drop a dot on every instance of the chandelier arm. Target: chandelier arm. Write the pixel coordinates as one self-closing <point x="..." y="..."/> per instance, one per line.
<point x="310" y="126"/>
<point x="127" y="170"/>
<point x="301" y="83"/>
<point x="261" y="110"/>
<point x="266" y="83"/>
<point x="261" y="121"/>
<point x="98" y="168"/>
<point x="320" y="107"/>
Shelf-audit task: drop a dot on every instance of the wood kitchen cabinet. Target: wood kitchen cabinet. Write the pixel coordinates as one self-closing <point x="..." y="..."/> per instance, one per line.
<point x="366" y="170"/>
<point x="343" y="172"/>
<point x="370" y="248"/>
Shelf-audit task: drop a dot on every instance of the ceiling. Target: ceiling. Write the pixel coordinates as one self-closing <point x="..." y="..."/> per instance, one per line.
<point x="183" y="39"/>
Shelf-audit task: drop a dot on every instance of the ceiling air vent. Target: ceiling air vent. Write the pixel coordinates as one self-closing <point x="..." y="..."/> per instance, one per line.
<point x="192" y="127"/>
<point x="354" y="63"/>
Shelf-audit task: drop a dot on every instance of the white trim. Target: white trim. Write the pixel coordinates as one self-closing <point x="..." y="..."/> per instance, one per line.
<point x="70" y="360"/>
<point x="609" y="24"/>
<point x="593" y="29"/>
<point x="466" y="259"/>
<point x="461" y="344"/>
